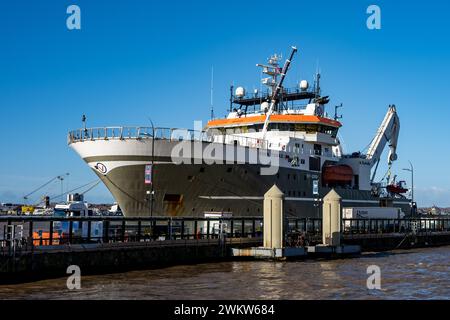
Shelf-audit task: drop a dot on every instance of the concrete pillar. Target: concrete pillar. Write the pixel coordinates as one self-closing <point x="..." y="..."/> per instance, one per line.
<point x="273" y="219"/>
<point x="332" y="217"/>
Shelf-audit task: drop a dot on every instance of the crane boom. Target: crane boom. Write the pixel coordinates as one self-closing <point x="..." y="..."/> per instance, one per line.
<point x="41" y="187"/>
<point x="387" y="132"/>
<point x="276" y="92"/>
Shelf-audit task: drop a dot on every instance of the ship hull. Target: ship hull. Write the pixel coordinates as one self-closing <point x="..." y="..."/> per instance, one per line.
<point x="195" y="189"/>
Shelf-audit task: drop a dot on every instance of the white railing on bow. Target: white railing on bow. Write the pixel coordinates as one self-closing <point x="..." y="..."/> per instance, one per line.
<point x="172" y="134"/>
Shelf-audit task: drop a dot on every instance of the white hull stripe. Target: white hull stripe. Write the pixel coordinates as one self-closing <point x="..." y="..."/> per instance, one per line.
<point x="230" y="198"/>
<point x="111" y="165"/>
<point x="361" y="201"/>
<point x="289" y="199"/>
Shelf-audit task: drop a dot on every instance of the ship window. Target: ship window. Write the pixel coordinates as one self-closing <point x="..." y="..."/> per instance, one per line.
<point x="302" y="161"/>
<point x="190" y="178"/>
<point x="202" y="169"/>
<point x="317" y="149"/>
<point x="229" y="169"/>
<point x="334" y="132"/>
<point x="300" y="127"/>
<point x="311" y="128"/>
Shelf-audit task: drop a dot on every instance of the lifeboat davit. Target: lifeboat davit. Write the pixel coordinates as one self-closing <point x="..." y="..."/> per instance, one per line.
<point x="337" y="175"/>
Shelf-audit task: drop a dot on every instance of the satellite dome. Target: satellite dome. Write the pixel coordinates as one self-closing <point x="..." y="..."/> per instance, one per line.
<point x="304" y="85"/>
<point x="240" y="92"/>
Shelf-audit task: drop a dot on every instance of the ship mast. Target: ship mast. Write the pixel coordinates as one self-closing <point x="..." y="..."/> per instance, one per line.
<point x="276" y="91"/>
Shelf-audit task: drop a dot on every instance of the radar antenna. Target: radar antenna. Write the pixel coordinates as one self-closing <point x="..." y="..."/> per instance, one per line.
<point x="212" y="93"/>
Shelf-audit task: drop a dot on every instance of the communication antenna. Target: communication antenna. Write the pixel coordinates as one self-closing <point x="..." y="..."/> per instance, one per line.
<point x="317" y="83"/>
<point x="231" y="97"/>
<point x="336" y="116"/>
<point x="212" y="92"/>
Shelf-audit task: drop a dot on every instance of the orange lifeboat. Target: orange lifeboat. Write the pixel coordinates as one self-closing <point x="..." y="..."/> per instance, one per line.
<point x="337" y="175"/>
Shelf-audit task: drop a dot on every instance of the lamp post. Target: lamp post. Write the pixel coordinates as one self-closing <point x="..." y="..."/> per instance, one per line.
<point x="411" y="169"/>
<point x="61" y="178"/>
<point x="152" y="192"/>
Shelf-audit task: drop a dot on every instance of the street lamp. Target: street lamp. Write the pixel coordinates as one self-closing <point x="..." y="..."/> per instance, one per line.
<point x="152" y="192"/>
<point x="61" y="178"/>
<point x="411" y="169"/>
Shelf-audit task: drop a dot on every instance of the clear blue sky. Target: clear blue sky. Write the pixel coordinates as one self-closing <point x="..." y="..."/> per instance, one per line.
<point x="134" y="59"/>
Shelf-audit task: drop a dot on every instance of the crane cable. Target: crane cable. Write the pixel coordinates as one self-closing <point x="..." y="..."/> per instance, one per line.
<point x="95" y="183"/>
<point x="41" y="187"/>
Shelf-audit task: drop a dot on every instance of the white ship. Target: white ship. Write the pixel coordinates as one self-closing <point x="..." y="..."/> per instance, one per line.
<point x="280" y="136"/>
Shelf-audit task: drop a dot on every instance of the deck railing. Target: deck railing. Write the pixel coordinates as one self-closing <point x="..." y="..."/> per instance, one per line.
<point x="26" y="233"/>
<point x="171" y="134"/>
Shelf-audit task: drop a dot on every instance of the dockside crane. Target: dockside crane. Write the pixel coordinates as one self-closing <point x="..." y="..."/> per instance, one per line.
<point x="59" y="177"/>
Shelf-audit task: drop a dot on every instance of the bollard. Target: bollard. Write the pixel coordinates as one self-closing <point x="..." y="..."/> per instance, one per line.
<point x="332" y="217"/>
<point x="273" y="219"/>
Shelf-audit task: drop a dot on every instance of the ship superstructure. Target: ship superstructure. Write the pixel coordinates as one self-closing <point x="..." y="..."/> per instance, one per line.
<point x="277" y="136"/>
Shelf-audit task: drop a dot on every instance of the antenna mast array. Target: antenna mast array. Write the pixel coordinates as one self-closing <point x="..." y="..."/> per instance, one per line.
<point x="212" y="93"/>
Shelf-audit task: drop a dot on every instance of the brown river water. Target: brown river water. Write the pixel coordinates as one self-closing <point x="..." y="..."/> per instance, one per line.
<point x="413" y="274"/>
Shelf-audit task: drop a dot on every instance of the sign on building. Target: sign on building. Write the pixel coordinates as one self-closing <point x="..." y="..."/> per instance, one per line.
<point x="148" y="174"/>
<point x="316" y="187"/>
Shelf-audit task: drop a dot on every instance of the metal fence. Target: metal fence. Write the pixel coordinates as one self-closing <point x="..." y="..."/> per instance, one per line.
<point x="26" y="233"/>
<point x="377" y="226"/>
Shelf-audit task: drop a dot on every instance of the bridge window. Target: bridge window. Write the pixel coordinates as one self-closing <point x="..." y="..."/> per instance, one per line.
<point x="317" y="149"/>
